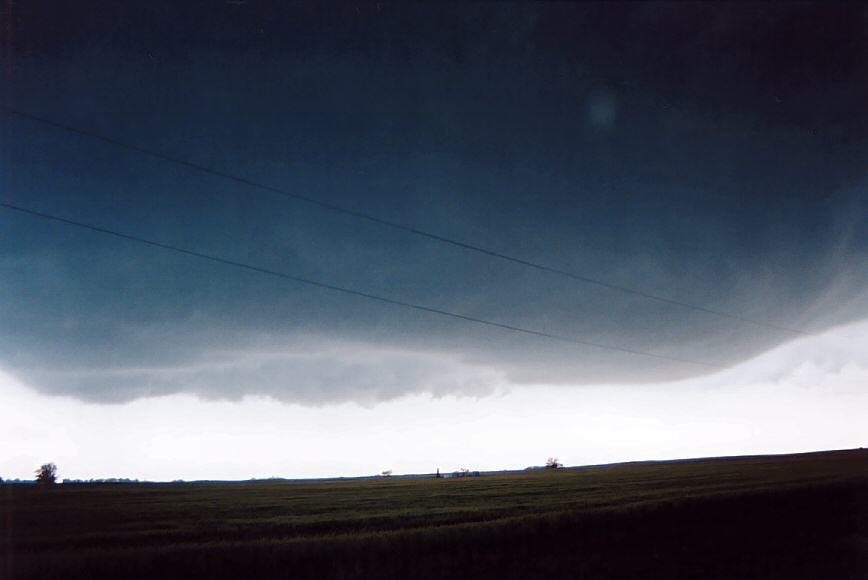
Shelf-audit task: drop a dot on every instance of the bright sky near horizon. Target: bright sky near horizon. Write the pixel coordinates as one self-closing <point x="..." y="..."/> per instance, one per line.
<point x="807" y="395"/>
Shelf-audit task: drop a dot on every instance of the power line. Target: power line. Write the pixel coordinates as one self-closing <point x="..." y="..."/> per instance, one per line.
<point x="402" y="227"/>
<point x="350" y="291"/>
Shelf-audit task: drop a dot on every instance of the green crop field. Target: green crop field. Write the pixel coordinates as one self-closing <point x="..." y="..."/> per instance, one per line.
<point x="802" y="516"/>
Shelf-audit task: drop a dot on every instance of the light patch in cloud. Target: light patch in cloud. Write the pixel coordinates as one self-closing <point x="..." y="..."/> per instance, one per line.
<point x="602" y="108"/>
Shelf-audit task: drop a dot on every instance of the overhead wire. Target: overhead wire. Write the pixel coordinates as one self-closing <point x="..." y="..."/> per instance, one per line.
<point x="350" y="291"/>
<point x="340" y="209"/>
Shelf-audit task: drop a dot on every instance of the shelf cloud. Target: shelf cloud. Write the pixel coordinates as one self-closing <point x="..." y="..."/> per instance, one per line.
<point x="549" y="137"/>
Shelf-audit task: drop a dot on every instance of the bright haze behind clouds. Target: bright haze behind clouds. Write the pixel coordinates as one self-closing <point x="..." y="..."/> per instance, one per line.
<point x="710" y="155"/>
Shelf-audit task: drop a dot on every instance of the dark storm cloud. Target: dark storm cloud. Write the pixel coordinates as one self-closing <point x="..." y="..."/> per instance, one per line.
<point x="711" y="154"/>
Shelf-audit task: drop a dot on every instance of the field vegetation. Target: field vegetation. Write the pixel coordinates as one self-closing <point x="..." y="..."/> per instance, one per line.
<point x="797" y="516"/>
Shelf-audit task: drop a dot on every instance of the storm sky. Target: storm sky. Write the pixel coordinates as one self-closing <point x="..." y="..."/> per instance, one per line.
<point x="711" y="155"/>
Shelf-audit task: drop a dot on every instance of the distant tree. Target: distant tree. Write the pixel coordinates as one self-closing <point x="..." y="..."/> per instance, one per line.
<point x="387" y="473"/>
<point x="47" y="474"/>
<point x="553" y="463"/>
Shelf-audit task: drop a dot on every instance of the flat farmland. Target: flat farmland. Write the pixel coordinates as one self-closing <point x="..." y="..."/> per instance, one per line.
<point x="795" y="516"/>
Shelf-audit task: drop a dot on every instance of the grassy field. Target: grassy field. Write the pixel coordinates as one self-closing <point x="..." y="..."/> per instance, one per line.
<point x="797" y="516"/>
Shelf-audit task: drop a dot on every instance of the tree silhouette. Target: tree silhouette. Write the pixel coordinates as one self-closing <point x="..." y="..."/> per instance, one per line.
<point x="553" y="463"/>
<point x="46" y="474"/>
